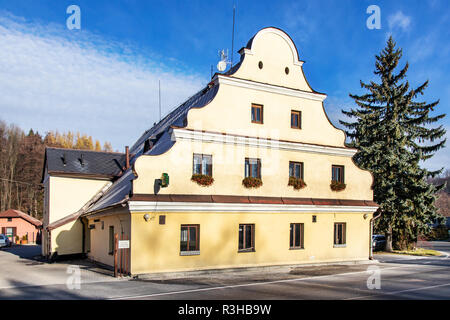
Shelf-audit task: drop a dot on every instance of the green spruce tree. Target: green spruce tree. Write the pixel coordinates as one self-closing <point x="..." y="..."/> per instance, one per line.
<point x="393" y="135"/>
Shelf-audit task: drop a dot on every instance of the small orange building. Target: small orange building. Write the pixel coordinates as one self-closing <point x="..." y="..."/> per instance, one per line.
<point x="16" y="223"/>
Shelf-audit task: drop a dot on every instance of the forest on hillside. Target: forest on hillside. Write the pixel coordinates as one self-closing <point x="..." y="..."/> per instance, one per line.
<point x="22" y="161"/>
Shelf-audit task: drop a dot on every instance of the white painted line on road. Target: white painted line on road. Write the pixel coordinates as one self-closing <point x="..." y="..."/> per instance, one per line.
<point x="401" y="291"/>
<point x="246" y="284"/>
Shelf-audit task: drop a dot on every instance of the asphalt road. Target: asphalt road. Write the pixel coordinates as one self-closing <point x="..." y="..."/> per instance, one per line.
<point x="398" y="277"/>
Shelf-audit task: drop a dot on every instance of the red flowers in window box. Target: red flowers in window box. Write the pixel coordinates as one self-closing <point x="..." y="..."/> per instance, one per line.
<point x="337" y="185"/>
<point x="251" y="182"/>
<point x="297" y="183"/>
<point x="203" y="179"/>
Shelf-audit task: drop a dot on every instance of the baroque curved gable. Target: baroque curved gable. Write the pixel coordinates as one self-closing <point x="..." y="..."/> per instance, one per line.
<point x="280" y="60"/>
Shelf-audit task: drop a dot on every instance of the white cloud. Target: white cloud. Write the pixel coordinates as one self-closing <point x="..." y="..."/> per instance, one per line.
<point x="52" y="78"/>
<point x="399" y="20"/>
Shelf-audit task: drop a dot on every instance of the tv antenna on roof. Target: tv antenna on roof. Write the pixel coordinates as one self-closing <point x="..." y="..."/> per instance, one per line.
<point x="224" y="61"/>
<point x="222" y="65"/>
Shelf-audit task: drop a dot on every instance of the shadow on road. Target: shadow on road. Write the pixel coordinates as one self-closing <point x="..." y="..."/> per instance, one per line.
<point x="22" y="291"/>
<point x="30" y="252"/>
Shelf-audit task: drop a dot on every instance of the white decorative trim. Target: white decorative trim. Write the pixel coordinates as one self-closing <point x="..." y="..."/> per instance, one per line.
<point x="210" y="137"/>
<point x="248" y="84"/>
<point x="154" y="206"/>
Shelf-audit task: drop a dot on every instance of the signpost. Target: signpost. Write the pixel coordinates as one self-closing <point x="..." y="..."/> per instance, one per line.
<point x="124" y="244"/>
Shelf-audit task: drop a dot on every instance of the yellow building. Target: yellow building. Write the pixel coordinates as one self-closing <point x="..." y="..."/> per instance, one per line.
<point x="247" y="172"/>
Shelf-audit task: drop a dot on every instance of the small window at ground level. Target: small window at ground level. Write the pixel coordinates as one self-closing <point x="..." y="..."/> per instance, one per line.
<point x="337" y="173"/>
<point x="190" y="238"/>
<point x="257" y="113"/>
<point x="202" y="164"/>
<point x="246" y="237"/>
<point x="296" y="119"/>
<point x="111" y="240"/>
<point x="296" y="169"/>
<point x="296" y="236"/>
<point x="340" y="233"/>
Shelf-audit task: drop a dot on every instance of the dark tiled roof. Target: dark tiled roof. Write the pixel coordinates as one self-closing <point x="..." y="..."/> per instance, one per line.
<point x="160" y="137"/>
<point x="83" y="162"/>
<point x="175" y="118"/>
<point x="116" y="193"/>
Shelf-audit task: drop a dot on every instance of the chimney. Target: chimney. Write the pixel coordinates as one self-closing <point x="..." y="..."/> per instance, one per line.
<point x="127" y="158"/>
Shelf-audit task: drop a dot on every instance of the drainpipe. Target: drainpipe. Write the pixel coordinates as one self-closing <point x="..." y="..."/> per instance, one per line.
<point x="371" y="233"/>
<point x="83" y="240"/>
<point x="127" y="157"/>
<point x="49" y="244"/>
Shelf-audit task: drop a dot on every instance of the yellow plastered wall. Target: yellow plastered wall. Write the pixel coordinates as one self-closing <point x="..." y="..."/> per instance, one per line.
<point x="67" y="196"/>
<point x="158" y="246"/>
<point x="68" y="239"/>
<point x="230" y="112"/>
<point x="229" y="170"/>
<point x="276" y="51"/>
<point x="99" y="238"/>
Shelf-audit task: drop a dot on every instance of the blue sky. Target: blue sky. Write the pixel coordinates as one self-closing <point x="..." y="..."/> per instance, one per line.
<point x="103" y="79"/>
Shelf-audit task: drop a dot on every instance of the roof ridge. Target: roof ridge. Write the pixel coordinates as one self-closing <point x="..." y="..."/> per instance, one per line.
<point x="84" y="150"/>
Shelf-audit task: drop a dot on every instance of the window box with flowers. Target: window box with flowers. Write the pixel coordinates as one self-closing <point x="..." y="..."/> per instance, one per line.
<point x="202" y="179"/>
<point x="297" y="183"/>
<point x="251" y="182"/>
<point x="337" y="178"/>
<point x="252" y="173"/>
<point x="337" y="186"/>
<point x="202" y="169"/>
<point x="296" y="175"/>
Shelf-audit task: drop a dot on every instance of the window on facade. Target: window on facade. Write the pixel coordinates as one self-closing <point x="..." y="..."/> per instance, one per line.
<point x="340" y="233"/>
<point x="296" y="236"/>
<point x="296" y="169"/>
<point x="10" y="232"/>
<point x="253" y="168"/>
<point x="111" y="240"/>
<point x="190" y="238"/>
<point x="246" y="237"/>
<point x="337" y="173"/>
<point x="9" y="219"/>
<point x="202" y="164"/>
<point x="257" y="113"/>
<point x="296" y="119"/>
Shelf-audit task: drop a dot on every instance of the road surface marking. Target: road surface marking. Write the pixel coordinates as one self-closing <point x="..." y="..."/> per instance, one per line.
<point x="248" y="284"/>
<point x="400" y="291"/>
